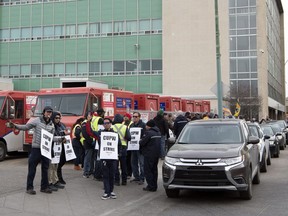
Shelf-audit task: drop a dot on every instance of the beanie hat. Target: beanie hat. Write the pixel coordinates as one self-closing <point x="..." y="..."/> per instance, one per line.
<point x="151" y="123"/>
<point x="47" y="108"/>
<point x="118" y="118"/>
<point x="101" y="110"/>
<point x="160" y="112"/>
<point x="128" y="115"/>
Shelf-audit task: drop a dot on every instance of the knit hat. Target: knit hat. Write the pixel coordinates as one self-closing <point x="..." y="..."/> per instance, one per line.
<point x="47" y="108"/>
<point x="101" y="110"/>
<point x="118" y="118"/>
<point x="160" y="112"/>
<point x="151" y="123"/>
<point x="128" y="116"/>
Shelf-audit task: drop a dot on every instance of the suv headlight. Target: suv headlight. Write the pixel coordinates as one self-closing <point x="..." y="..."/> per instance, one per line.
<point x="271" y="142"/>
<point x="230" y="161"/>
<point x="171" y="160"/>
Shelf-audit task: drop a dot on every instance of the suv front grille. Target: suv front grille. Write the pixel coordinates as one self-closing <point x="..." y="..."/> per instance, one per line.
<point x="200" y="176"/>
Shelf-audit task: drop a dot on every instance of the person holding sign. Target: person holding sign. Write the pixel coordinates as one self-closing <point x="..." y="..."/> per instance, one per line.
<point x="43" y="122"/>
<point x="110" y="146"/>
<point x="137" y="159"/>
<point x="150" y="145"/>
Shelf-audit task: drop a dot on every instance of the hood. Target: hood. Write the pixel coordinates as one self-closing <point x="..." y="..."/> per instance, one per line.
<point x="207" y="151"/>
<point x="118" y="118"/>
<point x="181" y="118"/>
<point x="155" y="128"/>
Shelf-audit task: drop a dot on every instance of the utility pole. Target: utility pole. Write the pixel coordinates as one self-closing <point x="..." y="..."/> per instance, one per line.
<point x="218" y="58"/>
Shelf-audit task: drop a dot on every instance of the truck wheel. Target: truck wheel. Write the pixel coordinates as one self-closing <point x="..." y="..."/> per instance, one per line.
<point x="247" y="194"/>
<point x="3" y="151"/>
<point x="172" y="193"/>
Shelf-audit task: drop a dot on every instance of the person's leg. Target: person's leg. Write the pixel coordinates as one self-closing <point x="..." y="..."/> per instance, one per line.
<point x="44" y="171"/>
<point x="141" y="166"/>
<point x="147" y="172"/>
<point x="60" y="165"/>
<point x="154" y="170"/>
<point x="134" y="164"/>
<point x="123" y="166"/>
<point x="34" y="159"/>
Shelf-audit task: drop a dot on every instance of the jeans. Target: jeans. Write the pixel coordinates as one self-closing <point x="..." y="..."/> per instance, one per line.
<point x="151" y="172"/>
<point x="87" y="161"/>
<point x="108" y="175"/>
<point x="34" y="158"/>
<point x="122" y="161"/>
<point x="137" y="161"/>
<point x="163" y="152"/>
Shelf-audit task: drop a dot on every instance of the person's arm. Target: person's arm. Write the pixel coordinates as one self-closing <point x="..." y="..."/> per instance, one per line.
<point x="29" y="125"/>
<point x="128" y="134"/>
<point x="145" y="139"/>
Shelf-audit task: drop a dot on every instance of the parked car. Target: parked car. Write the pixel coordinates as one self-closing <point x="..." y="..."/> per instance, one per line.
<point x="215" y="154"/>
<point x="284" y="127"/>
<point x="264" y="145"/>
<point x="280" y="134"/>
<point x="273" y="140"/>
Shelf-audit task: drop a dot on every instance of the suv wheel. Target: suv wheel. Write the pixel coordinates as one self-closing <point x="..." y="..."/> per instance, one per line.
<point x="247" y="195"/>
<point x="276" y="155"/>
<point x="264" y="163"/>
<point x="172" y="193"/>
<point x="269" y="158"/>
<point x="256" y="179"/>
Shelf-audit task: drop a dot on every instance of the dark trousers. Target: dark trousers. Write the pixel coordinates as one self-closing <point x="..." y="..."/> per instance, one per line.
<point x="151" y="172"/>
<point x="34" y="158"/>
<point x="61" y="164"/>
<point x="98" y="172"/>
<point x="122" y="161"/>
<point x="79" y="152"/>
<point x="108" y="167"/>
<point x="128" y="163"/>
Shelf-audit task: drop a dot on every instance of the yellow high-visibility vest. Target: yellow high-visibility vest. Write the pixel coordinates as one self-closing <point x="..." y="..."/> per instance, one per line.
<point x="121" y="130"/>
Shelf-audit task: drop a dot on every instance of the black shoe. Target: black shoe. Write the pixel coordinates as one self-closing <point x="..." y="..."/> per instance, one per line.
<point x="31" y="191"/>
<point x="46" y="190"/>
<point x="124" y="182"/>
<point x="53" y="188"/>
<point x="62" y="181"/>
<point x="59" y="185"/>
<point x="117" y="183"/>
<point x="149" y="189"/>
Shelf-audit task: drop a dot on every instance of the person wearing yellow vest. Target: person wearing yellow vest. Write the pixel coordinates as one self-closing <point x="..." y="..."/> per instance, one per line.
<point x="125" y="136"/>
<point x="127" y="121"/>
<point x="77" y="145"/>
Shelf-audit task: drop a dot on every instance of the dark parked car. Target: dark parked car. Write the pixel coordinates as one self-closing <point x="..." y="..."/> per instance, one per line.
<point x="215" y="154"/>
<point x="273" y="140"/>
<point x="279" y="134"/>
<point x="283" y="125"/>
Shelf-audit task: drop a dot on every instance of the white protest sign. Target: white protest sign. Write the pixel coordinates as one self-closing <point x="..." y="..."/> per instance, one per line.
<point x="109" y="146"/>
<point x="100" y="127"/>
<point x="69" y="151"/>
<point x="57" y="148"/>
<point x="46" y="143"/>
<point x="135" y="138"/>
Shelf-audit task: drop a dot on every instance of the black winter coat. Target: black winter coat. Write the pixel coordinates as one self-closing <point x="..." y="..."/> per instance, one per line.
<point x="151" y="142"/>
<point x="162" y="124"/>
<point x="179" y="124"/>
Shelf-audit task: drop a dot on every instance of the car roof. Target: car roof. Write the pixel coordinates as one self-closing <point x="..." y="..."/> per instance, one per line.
<point x="217" y="121"/>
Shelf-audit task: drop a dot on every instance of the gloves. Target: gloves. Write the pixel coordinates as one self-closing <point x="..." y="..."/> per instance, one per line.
<point x="10" y="124"/>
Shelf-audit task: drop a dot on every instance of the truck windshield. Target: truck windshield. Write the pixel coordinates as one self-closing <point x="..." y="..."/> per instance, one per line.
<point x="67" y="104"/>
<point x="1" y="101"/>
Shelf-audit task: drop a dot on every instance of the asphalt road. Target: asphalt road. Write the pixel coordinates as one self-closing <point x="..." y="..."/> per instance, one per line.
<point x="82" y="196"/>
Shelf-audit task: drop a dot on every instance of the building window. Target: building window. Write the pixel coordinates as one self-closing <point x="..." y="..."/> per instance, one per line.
<point x="70" y="68"/>
<point x="47" y="69"/>
<point x="4" y="34"/>
<point x="4" y="70"/>
<point x="36" y="32"/>
<point x="144" y="65"/>
<point x="14" y="70"/>
<point x="82" y="29"/>
<point x="106" y="27"/>
<point x="15" y="33"/>
<point x="131" y="26"/>
<point x="118" y="26"/>
<point x="26" y="33"/>
<point x="70" y="30"/>
<point x="59" y="68"/>
<point x="94" y="28"/>
<point x="48" y="31"/>
<point x="144" y="25"/>
<point x="58" y="30"/>
<point x="25" y="69"/>
<point x="156" y="24"/>
<point x="106" y="66"/>
<point x="243" y="65"/>
<point x="82" y="68"/>
<point x="156" y="64"/>
<point x="118" y="66"/>
<point x="35" y="69"/>
<point x="242" y="43"/>
<point x="131" y="65"/>
<point x="94" y="67"/>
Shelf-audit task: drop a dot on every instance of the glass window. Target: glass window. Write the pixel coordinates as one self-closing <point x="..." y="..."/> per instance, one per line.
<point x="253" y="42"/>
<point x="144" y="25"/>
<point x="14" y="70"/>
<point x="254" y="88"/>
<point x="106" y="66"/>
<point x="36" y="32"/>
<point x="253" y="21"/>
<point x="94" y="67"/>
<point x="35" y="69"/>
<point x="4" y="70"/>
<point x="118" y="26"/>
<point x="231" y="3"/>
<point x="242" y="43"/>
<point x="144" y="65"/>
<point x="242" y="21"/>
<point x="243" y="75"/>
<point x="118" y="66"/>
<point x="82" y="29"/>
<point x="15" y="33"/>
<point x="48" y="31"/>
<point x="70" y="30"/>
<point x="25" y="69"/>
<point x="233" y="43"/>
<point x="253" y="64"/>
<point x="232" y="22"/>
<point x="131" y="65"/>
<point x="58" y="30"/>
<point x="4" y="34"/>
<point x="157" y="24"/>
<point x="70" y="68"/>
<point x="156" y="64"/>
<point x="94" y="28"/>
<point x="59" y="69"/>
<point x="25" y="32"/>
<point x="243" y="65"/>
<point x="47" y="68"/>
<point x="252" y="2"/>
<point x="82" y="68"/>
<point x="242" y="3"/>
<point x="106" y="27"/>
<point x="244" y="87"/>
<point x="131" y="26"/>
<point x="233" y="67"/>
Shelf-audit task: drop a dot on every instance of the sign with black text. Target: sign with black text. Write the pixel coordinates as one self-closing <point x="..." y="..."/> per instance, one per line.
<point x="109" y="146"/>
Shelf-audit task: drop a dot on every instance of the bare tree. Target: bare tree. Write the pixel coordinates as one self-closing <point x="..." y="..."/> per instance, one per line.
<point x="250" y="106"/>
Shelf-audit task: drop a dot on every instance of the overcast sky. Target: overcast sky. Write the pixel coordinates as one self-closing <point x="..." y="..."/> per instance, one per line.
<point x="285" y="7"/>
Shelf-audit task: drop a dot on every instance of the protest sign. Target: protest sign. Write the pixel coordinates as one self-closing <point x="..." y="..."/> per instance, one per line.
<point x="46" y="143"/>
<point x="109" y="146"/>
<point x="69" y="152"/>
<point x="135" y="138"/>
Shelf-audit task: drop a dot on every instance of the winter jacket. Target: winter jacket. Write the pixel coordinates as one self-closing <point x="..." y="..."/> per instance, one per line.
<point x="179" y="124"/>
<point x="141" y="125"/>
<point x="162" y="124"/>
<point x="151" y="142"/>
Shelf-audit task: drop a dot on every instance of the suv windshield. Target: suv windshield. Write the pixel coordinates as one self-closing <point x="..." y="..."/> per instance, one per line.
<point x="267" y="130"/>
<point x="67" y="104"/>
<point x="210" y="134"/>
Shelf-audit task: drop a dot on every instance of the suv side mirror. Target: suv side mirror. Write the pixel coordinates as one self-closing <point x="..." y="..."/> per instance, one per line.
<point x="253" y="140"/>
<point x="171" y="140"/>
<point x="266" y="137"/>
